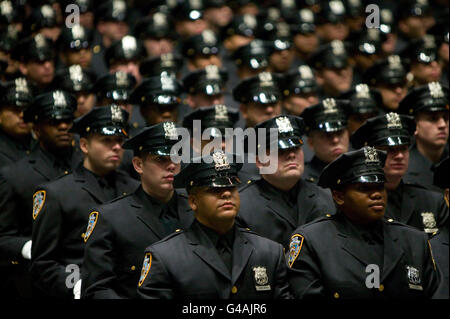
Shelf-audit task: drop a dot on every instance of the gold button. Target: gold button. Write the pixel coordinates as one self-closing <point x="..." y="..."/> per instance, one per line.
<point x="381" y="288"/>
<point x="82" y="235"/>
<point x="66" y="172"/>
<point x="249" y="182"/>
<point x="390" y="220"/>
<point x="124" y="193"/>
<point x="178" y="230"/>
<point x="14" y="262"/>
<point x="96" y="49"/>
<point x="247" y="229"/>
<point x="328" y="215"/>
<point x="133" y="268"/>
<point x="234" y="290"/>
<point x="336" y="295"/>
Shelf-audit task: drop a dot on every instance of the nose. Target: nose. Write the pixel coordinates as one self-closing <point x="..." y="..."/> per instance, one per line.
<point x="226" y="193"/>
<point x="398" y="90"/>
<point x="442" y="123"/>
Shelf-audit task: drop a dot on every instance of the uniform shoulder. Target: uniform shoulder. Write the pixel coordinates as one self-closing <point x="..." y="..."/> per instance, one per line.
<point x="253" y="236"/>
<point x="401" y="227"/>
<point x="317" y="224"/>
<point x="176" y="234"/>
<point x="249" y="184"/>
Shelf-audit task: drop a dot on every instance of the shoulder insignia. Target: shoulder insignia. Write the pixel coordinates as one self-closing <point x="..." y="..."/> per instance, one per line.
<point x="91" y="225"/>
<point x="294" y="248"/>
<point x="38" y="202"/>
<point x="145" y="268"/>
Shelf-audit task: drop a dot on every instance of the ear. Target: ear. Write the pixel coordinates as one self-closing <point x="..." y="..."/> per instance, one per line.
<point x="189" y="101"/>
<point x="84" y="145"/>
<point x="138" y="164"/>
<point x="338" y="197"/>
<point x="243" y="109"/>
<point x="309" y="140"/>
<point x="319" y="78"/>
<point x="23" y="69"/>
<point x="192" y="201"/>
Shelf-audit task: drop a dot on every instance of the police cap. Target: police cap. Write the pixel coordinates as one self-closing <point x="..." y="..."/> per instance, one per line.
<point x="300" y="81"/>
<point x="74" y="80"/>
<point x="290" y="130"/>
<point x="115" y="86"/>
<point x="211" y="81"/>
<point x="263" y="88"/>
<point x="126" y="49"/>
<point x="254" y="55"/>
<point x="361" y="166"/>
<point x="333" y="55"/>
<point x="431" y="97"/>
<point x="362" y="99"/>
<point x="18" y="92"/>
<point x="52" y="105"/>
<point x="158" y="90"/>
<point x="205" y="43"/>
<point x="330" y="115"/>
<point x="168" y="63"/>
<point x="75" y="38"/>
<point x="391" y="70"/>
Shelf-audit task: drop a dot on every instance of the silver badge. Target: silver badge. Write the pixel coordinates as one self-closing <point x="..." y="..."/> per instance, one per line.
<point x="160" y="19"/>
<point x="435" y="90"/>
<point x="394" y="62"/>
<point x="273" y="14"/>
<point x="386" y="15"/>
<point x="170" y="131"/>
<point x="221" y="113"/>
<point x="220" y="161"/>
<point x="429" y="41"/>
<point x="119" y="7"/>
<point x="414" y="280"/>
<point x="47" y="11"/>
<point x="116" y="114"/>
<point x="59" y="99"/>
<point x="261" y="278"/>
<point x="167" y="60"/>
<point x="212" y="72"/>
<point x="6" y="8"/>
<point x="284" y="125"/>
<point x="76" y="75"/>
<point x="167" y="82"/>
<point x="209" y="37"/>
<point x="283" y="29"/>
<point x="265" y="79"/>
<point x="288" y="3"/>
<point x="77" y="31"/>
<point x="129" y="46"/>
<point x="305" y="72"/>
<point x="337" y="7"/>
<point x="429" y="222"/>
<point x="40" y="41"/>
<point x="121" y="79"/>
<point x="195" y="4"/>
<point x="249" y="20"/>
<point x="393" y="121"/>
<point x="337" y="47"/>
<point x="371" y="155"/>
<point x="329" y="105"/>
<point x="362" y="91"/>
<point x="307" y="15"/>
<point x="21" y="85"/>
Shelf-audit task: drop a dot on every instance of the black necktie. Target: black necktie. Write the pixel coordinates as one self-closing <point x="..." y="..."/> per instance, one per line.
<point x="168" y="220"/>
<point x="108" y="191"/>
<point x="225" y="252"/>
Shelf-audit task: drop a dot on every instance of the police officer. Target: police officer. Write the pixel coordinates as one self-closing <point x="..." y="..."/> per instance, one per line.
<point x="52" y="117"/>
<point x="15" y="135"/>
<point x="80" y="83"/>
<point x="205" y="87"/>
<point x="275" y="204"/>
<point x="439" y="241"/>
<point x="42" y="20"/>
<point x="334" y="74"/>
<point x="429" y="106"/>
<point x="201" y="50"/>
<point x="61" y="208"/>
<point x="168" y="63"/>
<point x="188" y="16"/>
<point x="118" y="232"/>
<point x="300" y="90"/>
<point x="327" y="134"/>
<point x="217" y="13"/>
<point x="388" y="76"/>
<point x="75" y="46"/>
<point x="407" y="203"/>
<point x="220" y="260"/>
<point x="364" y="104"/>
<point x="331" y="21"/>
<point x="281" y="52"/>
<point x="239" y="32"/>
<point x="159" y="99"/>
<point x="36" y="56"/>
<point x="260" y="97"/>
<point x="328" y="258"/>
<point x="251" y="59"/>
<point x="306" y="41"/>
<point x="214" y="120"/>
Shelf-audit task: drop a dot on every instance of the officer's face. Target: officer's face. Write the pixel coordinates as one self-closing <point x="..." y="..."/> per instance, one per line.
<point x="295" y="104"/>
<point x="215" y="206"/>
<point x="187" y="28"/>
<point x="103" y="153"/>
<point x="131" y="67"/>
<point x="236" y="41"/>
<point x="157" y="173"/>
<point x="333" y="31"/>
<point x="202" y="99"/>
<point x="85" y="103"/>
<point x="426" y="72"/>
<point x="219" y="17"/>
<point x="432" y="129"/>
<point x="413" y="27"/>
<point x="306" y="43"/>
<point x="51" y="33"/>
<point x="154" y="114"/>
<point x="157" y="47"/>
<point x="280" y="61"/>
<point x="290" y="168"/>
<point x="327" y="146"/>
<point x="255" y="113"/>
<point x="11" y="122"/>
<point x="82" y="57"/>
<point x="335" y="81"/>
<point x="39" y="72"/>
<point x="200" y="61"/>
<point x="392" y="94"/>
<point x="54" y="134"/>
<point x="397" y="160"/>
<point x="112" y="31"/>
<point x="362" y="203"/>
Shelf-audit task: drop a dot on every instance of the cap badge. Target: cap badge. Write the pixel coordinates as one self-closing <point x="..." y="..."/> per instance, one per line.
<point x="160" y="19"/>
<point x="337" y="7"/>
<point x="220" y="161"/>
<point x="249" y="20"/>
<point x="40" y="41"/>
<point x="116" y="114"/>
<point x="212" y="72"/>
<point x="393" y="120"/>
<point x="209" y="37"/>
<point x="77" y="31"/>
<point x="6" y="8"/>
<point x="76" y="75"/>
<point x="261" y="278"/>
<point x="429" y="41"/>
<point x="59" y="99"/>
<point x="121" y="79"/>
<point x="118" y="7"/>
<point x="21" y="85"/>
<point x="221" y="113"/>
<point x="47" y="11"/>
<point x="337" y="47"/>
<point x="167" y="60"/>
<point x="307" y="15"/>
<point x="435" y="90"/>
<point x="329" y="105"/>
<point x="362" y="91"/>
<point x="305" y="72"/>
<point x="167" y="82"/>
<point x="195" y="4"/>
<point x="265" y="79"/>
<point x="170" y="131"/>
<point x="386" y="15"/>
<point x="394" y="62"/>
<point x="371" y="155"/>
<point x="129" y="46"/>
<point x="288" y="3"/>
<point x="284" y="125"/>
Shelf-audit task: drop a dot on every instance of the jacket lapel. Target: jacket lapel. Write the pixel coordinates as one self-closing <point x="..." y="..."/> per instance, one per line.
<point x="304" y="202"/>
<point x="185" y="213"/>
<point x="42" y="167"/>
<point x="147" y="217"/>
<point x="90" y="184"/>
<point x="242" y="251"/>
<point x="392" y="252"/>
<point x="204" y="249"/>
<point x="351" y="243"/>
<point x="277" y="205"/>
<point x="407" y="205"/>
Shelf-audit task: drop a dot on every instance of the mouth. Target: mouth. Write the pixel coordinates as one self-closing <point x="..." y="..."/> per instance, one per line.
<point x="227" y="205"/>
<point x="291" y="165"/>
<point x="169" y="178"/>
<point x="337" y="151"/>
<point x="377" y="206"/>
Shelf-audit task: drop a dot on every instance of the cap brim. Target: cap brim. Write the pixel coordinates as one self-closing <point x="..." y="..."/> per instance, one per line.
<point x="290" y="142"/>
<point x="369" y="178"/>
<point x="332" y="126"/>
<point x="110" y="131"/>
<point x="265" y="98"/>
